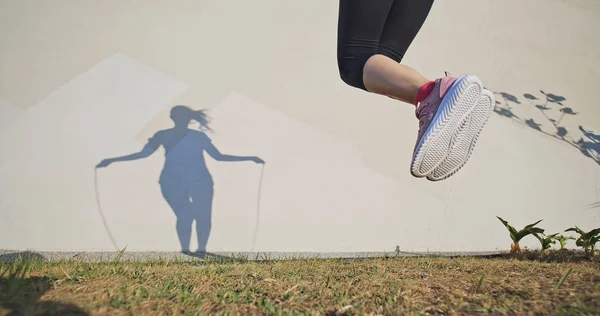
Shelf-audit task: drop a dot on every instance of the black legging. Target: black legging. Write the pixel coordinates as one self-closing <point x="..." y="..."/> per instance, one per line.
<point x="370" y="27"/>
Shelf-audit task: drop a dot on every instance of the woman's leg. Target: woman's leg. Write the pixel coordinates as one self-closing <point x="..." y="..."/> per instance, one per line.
<point x="373" y="37"/>
<point x="383" y="74"/>
<point x="360" y="25"/>
<point x="447" y="128"/>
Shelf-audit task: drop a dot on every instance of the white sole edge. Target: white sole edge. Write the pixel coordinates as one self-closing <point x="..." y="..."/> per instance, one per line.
<point x="435" y="144"/>
<point x="465" y="139"/>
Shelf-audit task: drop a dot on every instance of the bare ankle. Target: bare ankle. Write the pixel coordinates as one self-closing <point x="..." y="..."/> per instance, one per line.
<point x="383" y="75"/>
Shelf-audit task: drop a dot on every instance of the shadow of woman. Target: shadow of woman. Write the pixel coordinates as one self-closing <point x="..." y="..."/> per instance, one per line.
<point x="185" y="181"/>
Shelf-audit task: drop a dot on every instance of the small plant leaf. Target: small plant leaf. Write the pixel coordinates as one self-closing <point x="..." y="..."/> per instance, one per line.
<point x="531" y="225"/>
<point x="586" y="240"/>
<point x="516" y="236"/>
<point x="562" y="280"/>
<point x="511" y="230"/>
<point x="591" y="233"/>
<point x="480" y="283"/>
<point x="119" y="255"/>
<point x="575" y="229"/>
<point x="546" y="241"/>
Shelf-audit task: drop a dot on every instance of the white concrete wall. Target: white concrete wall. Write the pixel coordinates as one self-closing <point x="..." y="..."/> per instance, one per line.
<point x="81" y="81"/>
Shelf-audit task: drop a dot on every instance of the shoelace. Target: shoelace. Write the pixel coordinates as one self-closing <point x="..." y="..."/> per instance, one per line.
<point x="420" y="110"/>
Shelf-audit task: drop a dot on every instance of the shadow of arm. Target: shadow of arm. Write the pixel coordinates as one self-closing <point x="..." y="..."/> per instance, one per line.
<point x="148" y="150"/>
<point x="217" y="155"/>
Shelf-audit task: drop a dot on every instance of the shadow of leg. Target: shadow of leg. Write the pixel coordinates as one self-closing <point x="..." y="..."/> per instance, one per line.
<point x="179" y="201"/>
<point x="202" y="199"/>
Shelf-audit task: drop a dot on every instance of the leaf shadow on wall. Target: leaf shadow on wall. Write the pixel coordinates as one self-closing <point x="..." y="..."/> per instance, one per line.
<point x="553" y="110"/>
<point x="185" y="181"/>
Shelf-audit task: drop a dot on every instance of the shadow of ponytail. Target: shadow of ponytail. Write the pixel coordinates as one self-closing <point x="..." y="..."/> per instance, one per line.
<point x="202" y="118"/>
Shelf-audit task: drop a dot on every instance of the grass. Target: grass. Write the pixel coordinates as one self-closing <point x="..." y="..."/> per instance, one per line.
<point x="558" y="282"/>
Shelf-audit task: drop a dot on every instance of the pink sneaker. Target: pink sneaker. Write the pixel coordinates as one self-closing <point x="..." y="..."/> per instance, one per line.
<point x="440" y="116"/>
<point x="465" y="138"/>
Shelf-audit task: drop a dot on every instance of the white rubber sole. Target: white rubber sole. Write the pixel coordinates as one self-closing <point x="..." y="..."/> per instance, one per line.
<point x="436" y="143"/>
<point x="463" y="142"/>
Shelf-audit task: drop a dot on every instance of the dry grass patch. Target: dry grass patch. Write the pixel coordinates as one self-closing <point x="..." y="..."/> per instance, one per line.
<point x="325" y="287"/>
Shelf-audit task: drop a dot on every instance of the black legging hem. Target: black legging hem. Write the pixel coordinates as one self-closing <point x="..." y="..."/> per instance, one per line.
<point x="372" y="27"/>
